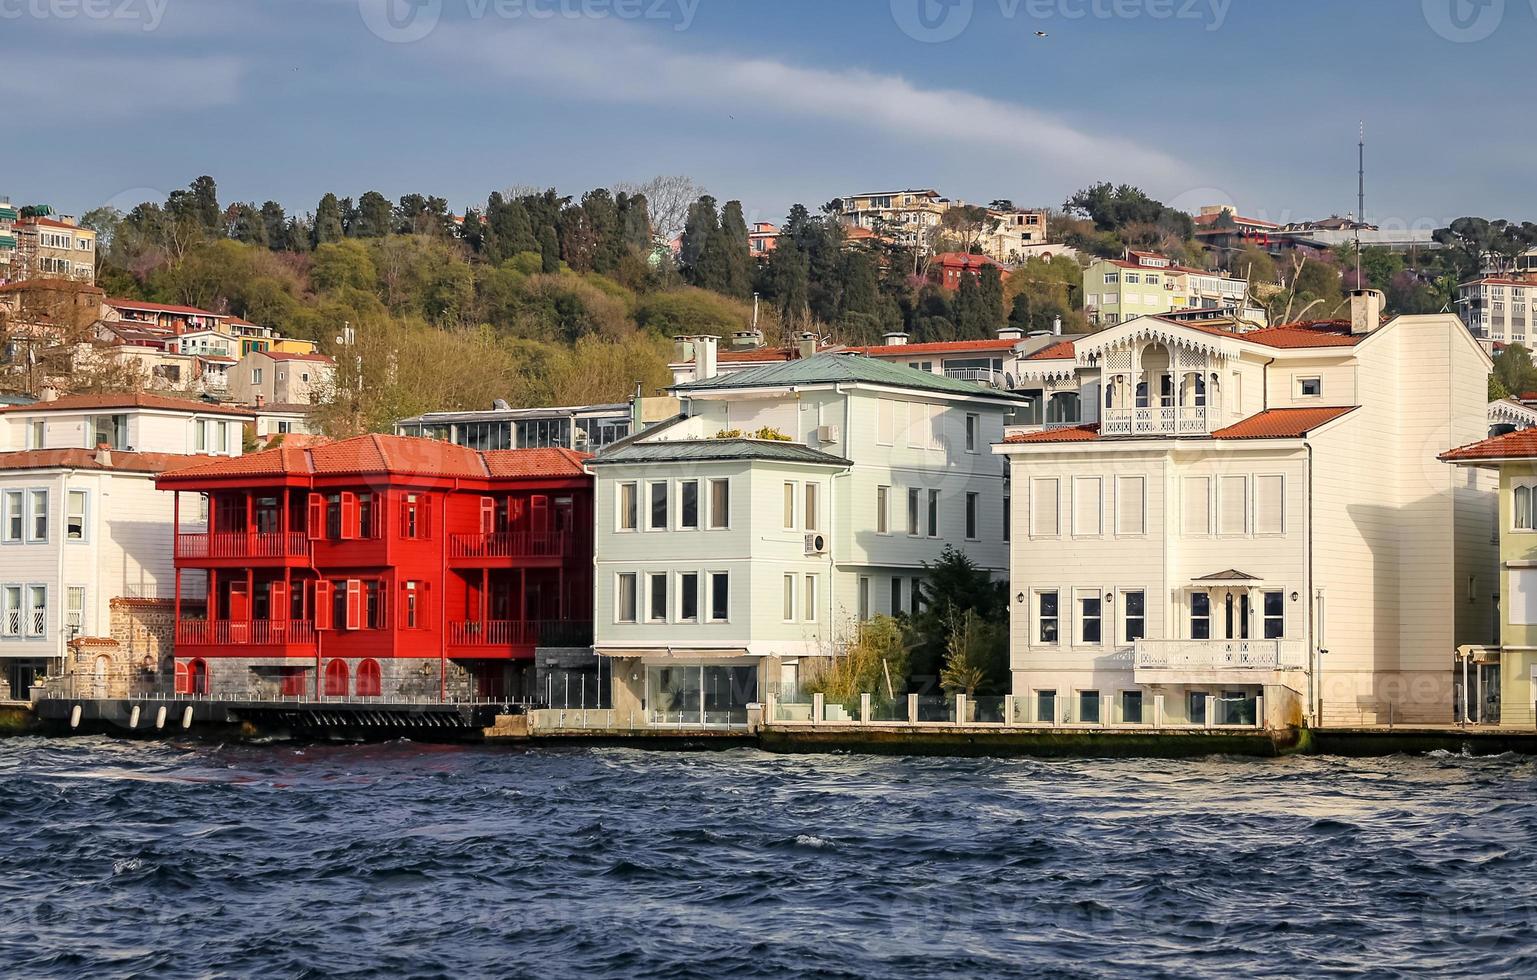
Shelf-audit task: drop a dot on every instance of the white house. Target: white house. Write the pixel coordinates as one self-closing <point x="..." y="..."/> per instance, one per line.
<point x="85" y="538"/>
<point x="785" y="503"/>
<point x="1253" y="515"/>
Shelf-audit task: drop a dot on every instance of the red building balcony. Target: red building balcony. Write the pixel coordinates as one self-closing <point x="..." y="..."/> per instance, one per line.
<point x="511" y="636"/>
<point x="513" y="544"/>
<point x="241" y="638"/>
<point x="242" y="544"/>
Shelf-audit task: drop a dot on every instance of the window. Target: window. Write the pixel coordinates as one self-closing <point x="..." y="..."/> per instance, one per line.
<point x="656" y="610"/>
<point x="1131" y="707"/>
<point x="688" y="597"/>
<point x="37" y="526"/>
<point x="789" y="599"/>
<point x="917" y="425"/>
<point x="973" y="501"/>
<point x="1196" y="516"/>
<point x="809" y="599"/>
<point x="1233" y="512"/>
<point x="110" y="431"/>
<point x="222" y="446"/>
<point x="886" y="421"/>
<point x="1007" y="519"/>
<point x="1130" y="505"/>
<point x="1310" y="387"/>
<point x="1088" y="496"/>
<point x="864" y="598"/>
<point x="688" y="505"/>
<point x="625" y="598"/>
<point x="1088" y="707"/>
<point x="1089" y="632"/>
<point x="720" y="597"/>
<point x="35" y="434"/>
<point x="933" y="513"/>
<point x="15" y="515"/>
<point x="256" y="375"/>
<point x="1269" y="504"/>
<point x="410" y="608"/>
<point x="658" y="521"/>
<point x="896" y="595"/>
<point x="1275" y="615"/>
<point x="415" y="517"/>
<point x="813" y="518"/>
<point x="1047" y="616"/>
<point x="914" y="512"/>
<point x="1135" y="615"/>
<point x="973" y="427"/>
<point x="1521" y="519"/>
<point x="1046" y="707"/>
<point x="37" y="610"/>
<point x="882" y="510"/>
<point x="74" y="515"/>
<point x="10" y="611"/>
<point x="788" y="508"/>
<point x="915" y="596"/>
<point x="629" y="518"/>
<point x="1043" y="508"/>
<point x="720" y="504"/>
<point x="1195" y="707"/>
<point x="1200" y="616"/>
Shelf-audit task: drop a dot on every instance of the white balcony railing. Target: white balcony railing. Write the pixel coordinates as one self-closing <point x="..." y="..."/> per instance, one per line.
<point x="1216" y="655"/>
<point x="985" y="376"/>
<point x="1166" y="420"/>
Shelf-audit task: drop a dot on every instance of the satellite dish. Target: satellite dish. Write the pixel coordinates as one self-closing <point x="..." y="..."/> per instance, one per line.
<point x="500" y="405"/>
<point x="1008" y="381"/>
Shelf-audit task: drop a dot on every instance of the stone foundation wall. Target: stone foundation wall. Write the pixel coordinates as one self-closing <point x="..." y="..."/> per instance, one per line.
<point x="408" y="678"/>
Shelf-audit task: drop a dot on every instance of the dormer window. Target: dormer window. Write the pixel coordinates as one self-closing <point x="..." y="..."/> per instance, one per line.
<point x="1310" y="387"/>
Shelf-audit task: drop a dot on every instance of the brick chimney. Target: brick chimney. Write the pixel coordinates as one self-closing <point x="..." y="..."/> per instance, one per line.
<point x="103" y="454"/>
<point x="1365" y="310"/>
<point x="261" y="401"/>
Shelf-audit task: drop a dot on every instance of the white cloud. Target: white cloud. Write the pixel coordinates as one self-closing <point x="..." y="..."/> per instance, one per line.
<point x="607" y="61"/>
<point x="116" y="87"/>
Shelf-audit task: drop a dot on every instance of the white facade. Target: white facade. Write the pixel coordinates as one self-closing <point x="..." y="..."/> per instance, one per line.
<point x="1256" y="515"/>
<point x="1500" y="310"/>
<point x="69" y="424"/>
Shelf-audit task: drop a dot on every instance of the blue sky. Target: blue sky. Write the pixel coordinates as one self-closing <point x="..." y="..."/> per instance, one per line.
<point x="1252" y="102"/>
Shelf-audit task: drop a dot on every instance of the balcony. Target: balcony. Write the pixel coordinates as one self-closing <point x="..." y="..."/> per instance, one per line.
<point x="242" y="544"/>
<point x="513" y="544"/>
<point x="501" y="634"/>
<point x="1217" y="661"/>
<point x="981" y="376"/>
<point x="274" y="637"/>
<point x="1157" y="421"/>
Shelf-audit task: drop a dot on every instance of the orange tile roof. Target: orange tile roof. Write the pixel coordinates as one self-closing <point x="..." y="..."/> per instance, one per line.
<point x="128" y="399"/>
<point x="1077" y="433"/>
<point x="85" y="459"/>
<point x="1521" y="444"/>
<point x="1058" y="351"/>
<point x="760" y="355"/>
<point x="1310" y="333"/>
<point x="285" y="356"/>
<point x="936" y="347"/>
<point x="134" y="304"/>
<point x="1282" y="423"/>
<point x="377" y="454"/>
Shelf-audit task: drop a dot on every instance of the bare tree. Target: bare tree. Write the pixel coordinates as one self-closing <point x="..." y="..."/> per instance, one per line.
<point x="667" y="201"/>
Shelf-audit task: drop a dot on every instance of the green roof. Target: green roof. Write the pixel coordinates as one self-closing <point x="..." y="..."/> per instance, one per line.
<point x="8" y="214"/>
<point x="715" y="450"/>
<point x="840" y="369"/>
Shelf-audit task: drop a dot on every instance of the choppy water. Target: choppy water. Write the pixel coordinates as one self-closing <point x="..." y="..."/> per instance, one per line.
<point x="154" y="859"/>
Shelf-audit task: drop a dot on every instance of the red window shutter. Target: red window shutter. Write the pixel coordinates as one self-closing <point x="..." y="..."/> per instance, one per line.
<point x="316" y="522"/>
<point x="487" y="515"/>
<point x="382" y="615"/>
<point x="278" y="601"/>
<point x="424" y="519"/>
<point x="323" y="605"/>
<point x="349" y="515"/>
<point x="354" y="604"/>
<point x="541" y="513"/>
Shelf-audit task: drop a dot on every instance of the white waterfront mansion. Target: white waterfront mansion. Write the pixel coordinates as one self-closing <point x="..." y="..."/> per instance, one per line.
<point x="1251" y="522"/>
<point x="785" y="503"/>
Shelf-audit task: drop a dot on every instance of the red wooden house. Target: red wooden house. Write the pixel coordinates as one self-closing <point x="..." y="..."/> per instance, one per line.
<point x="382" y="566"/>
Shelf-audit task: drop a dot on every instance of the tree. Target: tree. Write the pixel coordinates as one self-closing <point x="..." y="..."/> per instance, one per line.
<point x="874" y="662"/>
<point x="374" y="216"/>
<point x="277" y="226"/>
<point x="733" y="236"/>
<point x="549" y="250"/>
<point x="790" y="273"/>
<point x="952" y="586"/>
<point x="701" y="225"/>
<point x="1514" y="371"/>
<point x="199" y="203"/>
<point x="328" y="221"/>
<point x="1019" y="313"/>
<point x="246" y="225"/>
<point x="668" y="200"/>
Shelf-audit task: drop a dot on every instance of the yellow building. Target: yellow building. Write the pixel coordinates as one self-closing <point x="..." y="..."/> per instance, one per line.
<point x="1148" y="284"/>
<point x="53" y="248"/>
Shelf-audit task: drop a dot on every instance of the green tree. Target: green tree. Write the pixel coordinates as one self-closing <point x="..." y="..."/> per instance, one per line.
<point x="549" y="250"/>
<point x="700" y="227"/>
<point x="790" y="275"/>
<point x="733" y="238"/>
<point x="375" y="216"/>
<point x="1514" y="371"/>
<point x="328" y="221"/>
<point x="952" y="586"/>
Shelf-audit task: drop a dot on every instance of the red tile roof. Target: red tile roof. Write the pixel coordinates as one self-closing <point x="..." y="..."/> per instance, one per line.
<point x="937" y="347"/>
<point x="50" y="223"/>
<point x="1521" y="444"/>
<point x="1062" y="349"/>
<point x="1078" y="433"/>
<point x="377" y="454"/>
<point x="965" y="260"/>
<point x="134" y="304"/>
<point x="1282" y="423"/>
<point x="85" y="459"/>
<point x="1312" y="333"/>
<point x="284" y="356"/>
<point x="1238" y="219"/>
<point x="760" y="355"/>
<point x="130" y="399"/>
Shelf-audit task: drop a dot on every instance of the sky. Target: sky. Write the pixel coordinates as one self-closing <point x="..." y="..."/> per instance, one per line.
<point x="1254" y="103"/>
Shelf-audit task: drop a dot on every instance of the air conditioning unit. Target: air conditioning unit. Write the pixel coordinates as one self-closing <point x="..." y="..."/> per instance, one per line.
<point x="828" y="435"/>
<point x="816" y="543"/>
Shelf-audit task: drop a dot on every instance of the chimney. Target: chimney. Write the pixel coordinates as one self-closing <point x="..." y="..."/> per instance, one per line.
<point x="1056" y="326"/>
<point x="1010" y="333"/>
<point x="806" y="344"/>
<point x="747" y="340"/>
<point x="706" y="357"/>
<point x="48" y="393"/>
<point x="1365" y="310"/>
<point x="261" y="401"/>
<point x="895" y="338"/>
<point x="103" y="454"/>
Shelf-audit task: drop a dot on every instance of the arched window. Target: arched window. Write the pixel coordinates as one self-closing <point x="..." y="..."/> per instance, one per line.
<point x="369" y="683"/>
<point x="336" y="679"/>
<point x="1142" y="394"/>
<point x="1200" y="390"/>
<point x="1523" y="508"/>
<point x="183" y="684"/>
<point x="197" y="677"/>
